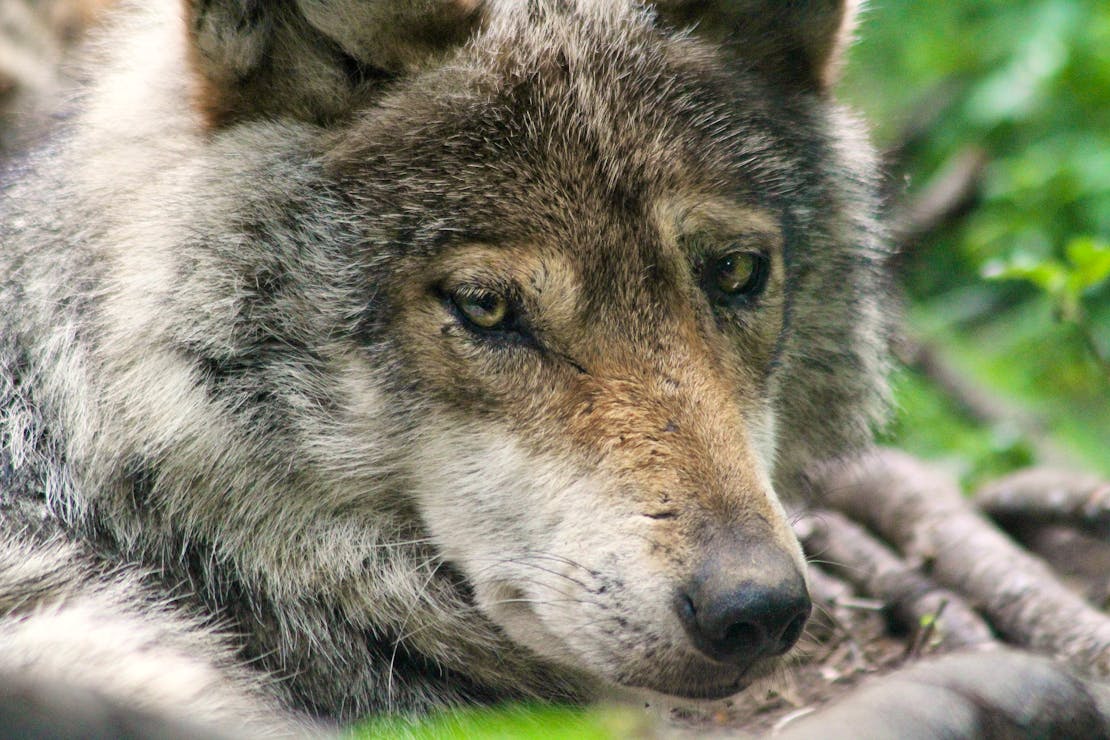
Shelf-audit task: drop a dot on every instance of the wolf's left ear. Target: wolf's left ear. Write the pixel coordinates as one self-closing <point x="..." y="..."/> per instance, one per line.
<point x="798" y="42"/>
<point x="313" y="59"/>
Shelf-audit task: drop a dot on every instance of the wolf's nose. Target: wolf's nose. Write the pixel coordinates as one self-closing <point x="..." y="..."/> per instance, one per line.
<point x="751" y="622"/>
<point x="737" y="615"/>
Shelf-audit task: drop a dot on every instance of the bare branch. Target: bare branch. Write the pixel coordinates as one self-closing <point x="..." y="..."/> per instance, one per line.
<point x="1047" y="496"/>
<point x="922" y="511"/>
<point x="913" y="599"/>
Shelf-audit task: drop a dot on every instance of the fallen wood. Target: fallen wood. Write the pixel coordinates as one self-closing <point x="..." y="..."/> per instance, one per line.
<point x="1043" y="495"/>
<point x="1083" y="561"/>
<point x="1001" y="693"/>
<point x="915" y="601"/>
<point x="922" y="512"/>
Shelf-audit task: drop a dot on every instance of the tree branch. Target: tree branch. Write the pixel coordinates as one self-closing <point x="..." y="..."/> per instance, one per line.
<point x="923" y="513"/>
<point x="851" y="553"/>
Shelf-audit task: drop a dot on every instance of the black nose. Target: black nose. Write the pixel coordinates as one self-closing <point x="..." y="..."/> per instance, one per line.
<point x="737" y="610"/>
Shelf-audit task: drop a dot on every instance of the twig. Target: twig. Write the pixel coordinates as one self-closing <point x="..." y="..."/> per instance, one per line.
<point x="923" y="513"/>
<point x="947" y="196"/>
<point x="863" y="605"/>
<point x="978" y="403"/>
<point x="1044" y="495"/>
<point x="925" y="630"/>
<point x="794" y="716"/>
<point x="912" y="598"/>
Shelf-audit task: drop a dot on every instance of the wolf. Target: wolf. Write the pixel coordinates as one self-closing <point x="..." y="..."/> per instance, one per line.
<point x="369" y="356"/>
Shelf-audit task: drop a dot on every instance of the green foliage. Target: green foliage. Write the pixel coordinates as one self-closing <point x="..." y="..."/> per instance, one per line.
<point x="1065" y="283"/>
<point x="521" y="722"/>
<point x="1086" y="268"/>
<point x="1017" y="295"/>
<point x="931" y="424"/>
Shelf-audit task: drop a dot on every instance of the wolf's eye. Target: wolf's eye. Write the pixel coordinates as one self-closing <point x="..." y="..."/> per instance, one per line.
<point x="483" y="308"/>
<point x="736" y="276"/>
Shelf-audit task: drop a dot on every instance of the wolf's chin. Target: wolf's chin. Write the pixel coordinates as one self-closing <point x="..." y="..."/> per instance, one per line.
<point x="694" y="691"/>
<point x="706" y="693"/>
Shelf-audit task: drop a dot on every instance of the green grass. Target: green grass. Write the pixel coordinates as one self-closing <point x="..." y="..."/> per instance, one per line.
<point x="522" y="722"/>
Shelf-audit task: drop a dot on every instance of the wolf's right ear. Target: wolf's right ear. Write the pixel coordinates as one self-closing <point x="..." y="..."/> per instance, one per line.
<point x="313" y="59"/>
<point x="797" y="42"/>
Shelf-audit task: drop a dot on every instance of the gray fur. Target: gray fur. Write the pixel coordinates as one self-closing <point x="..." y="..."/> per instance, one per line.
<point x="216" y="423"/>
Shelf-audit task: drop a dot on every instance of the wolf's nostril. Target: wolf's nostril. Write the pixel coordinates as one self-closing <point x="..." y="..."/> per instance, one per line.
<point x="792" y="632"/>
<point x="745" y="622"/>
<point x="742" y="636"/>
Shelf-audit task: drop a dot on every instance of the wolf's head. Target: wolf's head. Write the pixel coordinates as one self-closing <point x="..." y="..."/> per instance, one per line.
<point x="533" y="307"/>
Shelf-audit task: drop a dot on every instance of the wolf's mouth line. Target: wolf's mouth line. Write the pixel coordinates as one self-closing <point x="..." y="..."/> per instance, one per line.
<point x="688" y="689"/>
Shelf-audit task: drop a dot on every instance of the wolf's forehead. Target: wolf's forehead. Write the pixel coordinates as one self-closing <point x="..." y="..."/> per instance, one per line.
<point x="580" y="105"/>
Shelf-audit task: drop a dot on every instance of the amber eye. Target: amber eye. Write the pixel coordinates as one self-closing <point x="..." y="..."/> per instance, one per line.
<point x="737" y="275"/>
<point x="484" y="309"/>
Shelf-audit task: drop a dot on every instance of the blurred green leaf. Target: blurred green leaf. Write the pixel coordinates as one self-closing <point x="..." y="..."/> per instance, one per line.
<point x="515" y="722"/>
<point x="1028" y="82"/>
<point x="1049" y="276"/>
<point x="1090" y="262"/>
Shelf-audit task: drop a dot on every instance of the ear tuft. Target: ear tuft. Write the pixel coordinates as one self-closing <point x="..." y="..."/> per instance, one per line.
<point x="394" y="36"/>
<point x="799" y="42"/>
<point x="313" y="59"/>
<point x="231" y="39"/>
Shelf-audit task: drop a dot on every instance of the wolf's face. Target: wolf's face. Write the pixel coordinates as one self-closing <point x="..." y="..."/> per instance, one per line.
<point x="497" y="344"/>
<point x="588" y="316"/>
<point x="595" y="452"/>
<point x="596" y="457"/>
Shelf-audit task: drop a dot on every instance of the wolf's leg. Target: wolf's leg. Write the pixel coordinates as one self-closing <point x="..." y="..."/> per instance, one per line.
<point x="97" y="644"/>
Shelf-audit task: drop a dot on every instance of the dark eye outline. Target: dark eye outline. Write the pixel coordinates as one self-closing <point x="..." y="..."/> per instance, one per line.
<point x="465" y="299"/>
<point x="747" y="293"/>
<point x="511" y="327"/>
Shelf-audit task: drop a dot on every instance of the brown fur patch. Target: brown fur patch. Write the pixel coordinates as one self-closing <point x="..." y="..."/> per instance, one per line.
<point x="71" y="19"/>
<point x="316" y="62"/>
